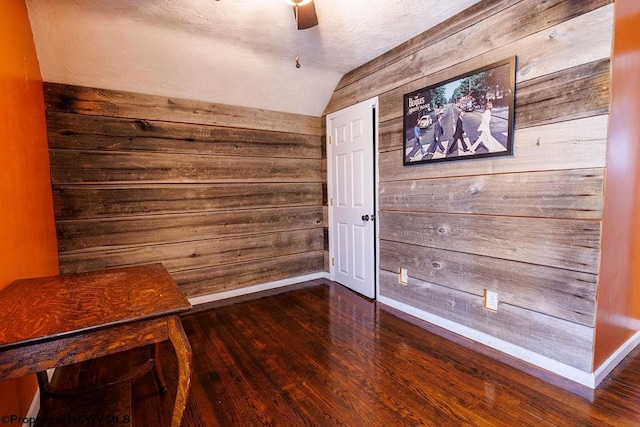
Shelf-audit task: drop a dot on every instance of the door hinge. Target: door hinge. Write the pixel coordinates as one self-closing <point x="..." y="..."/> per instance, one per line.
<point x="333" y="261"/>
<point x="330" y="140"/>
<point x="331" y="201"/>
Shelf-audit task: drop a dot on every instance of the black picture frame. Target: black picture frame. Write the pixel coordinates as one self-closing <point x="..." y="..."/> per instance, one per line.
<point x="490" y="88"/>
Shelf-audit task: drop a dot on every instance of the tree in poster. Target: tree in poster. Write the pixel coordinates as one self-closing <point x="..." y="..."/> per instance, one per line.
<point x="472" y="87"/>
<point x="482" y="87"/>
<point x="438" y="97"/>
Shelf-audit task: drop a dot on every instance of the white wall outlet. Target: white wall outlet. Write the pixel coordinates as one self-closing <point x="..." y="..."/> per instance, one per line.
<point x="403" y="276"/>
<point x="490" y="300"/>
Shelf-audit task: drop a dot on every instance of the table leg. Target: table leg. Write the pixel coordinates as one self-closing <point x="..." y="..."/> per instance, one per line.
<point x="43" y="385"/>
<point x="183" y="352"/>
<point x="157" y="370"/>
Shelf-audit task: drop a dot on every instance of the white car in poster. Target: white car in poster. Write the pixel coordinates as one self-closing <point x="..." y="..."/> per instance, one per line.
<point x="425" y="121"/>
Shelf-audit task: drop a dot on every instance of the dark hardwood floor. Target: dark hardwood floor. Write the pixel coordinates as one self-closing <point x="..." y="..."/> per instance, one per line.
<point x="317" y="354"/>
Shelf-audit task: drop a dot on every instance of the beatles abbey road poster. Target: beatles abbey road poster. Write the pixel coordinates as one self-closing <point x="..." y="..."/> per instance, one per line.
<point x="468" y="116"/>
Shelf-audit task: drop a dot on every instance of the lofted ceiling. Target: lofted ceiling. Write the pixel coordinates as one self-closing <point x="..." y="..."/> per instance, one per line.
<point x="238" y="52"/>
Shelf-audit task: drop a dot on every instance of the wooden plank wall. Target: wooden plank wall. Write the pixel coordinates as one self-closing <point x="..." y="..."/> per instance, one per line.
<point x="527" y="226"/>
<point x="224" y="197"/>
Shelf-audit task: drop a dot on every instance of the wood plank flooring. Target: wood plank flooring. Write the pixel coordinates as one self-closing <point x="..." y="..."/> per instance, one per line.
<point x="317" y="354"/>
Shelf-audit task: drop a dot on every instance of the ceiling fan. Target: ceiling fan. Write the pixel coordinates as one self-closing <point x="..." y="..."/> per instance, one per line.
<point x="305" y="13"/>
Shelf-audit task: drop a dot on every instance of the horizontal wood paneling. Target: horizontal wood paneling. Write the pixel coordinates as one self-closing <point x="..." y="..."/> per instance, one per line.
<point x="564" y="341"/>
<point x="390" y="135"/>
<point x="575" y="193"/>
<point x="526" y="225"/>
<point x="325" y="215"/>
<point x="119" y="166"/>
<point x="106" y="233"/>
<point x="561" y="243"/>
<point x="111" y="103"/>
<point x="233" y="276"/>
<point x="177" y="256"/>
<point x="114" y="200"/>
<point x="74" y="131"/>
<point x="566" y="294"/>
<point x="581" y="91"/>
<point x="221" y="195"/>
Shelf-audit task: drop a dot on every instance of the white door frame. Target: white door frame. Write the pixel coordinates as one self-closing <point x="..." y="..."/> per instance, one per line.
<point x="373" y="102"/>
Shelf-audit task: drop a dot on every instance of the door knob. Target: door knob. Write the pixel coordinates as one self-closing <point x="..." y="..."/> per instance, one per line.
<point x="365" y="217"/>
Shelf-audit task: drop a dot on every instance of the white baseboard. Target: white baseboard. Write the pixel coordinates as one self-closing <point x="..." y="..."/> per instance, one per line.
<point x="589" y="379"/>
<point x="257" y="288"/>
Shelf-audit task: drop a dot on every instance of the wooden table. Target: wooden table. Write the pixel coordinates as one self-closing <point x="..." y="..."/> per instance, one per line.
<point x="55" y="321"/>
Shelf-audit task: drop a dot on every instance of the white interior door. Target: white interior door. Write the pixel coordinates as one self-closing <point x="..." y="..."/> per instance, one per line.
<point x="352" y="198"/>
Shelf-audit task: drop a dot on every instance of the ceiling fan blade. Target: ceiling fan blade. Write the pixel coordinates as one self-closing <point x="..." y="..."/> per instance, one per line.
<point x="307" y="17"/>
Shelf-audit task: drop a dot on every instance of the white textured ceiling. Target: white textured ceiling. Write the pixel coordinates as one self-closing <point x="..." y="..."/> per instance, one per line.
<point x="238" y="52"/>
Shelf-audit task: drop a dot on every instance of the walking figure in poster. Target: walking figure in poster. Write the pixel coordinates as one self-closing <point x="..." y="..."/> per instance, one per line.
<point x="438" y="131"/>
<point x="458" y="135"/>
<point x="417" y="143"/>
<point x="485" y="138"/>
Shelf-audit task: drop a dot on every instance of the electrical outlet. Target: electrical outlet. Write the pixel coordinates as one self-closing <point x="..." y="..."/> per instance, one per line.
<point x="490" y="300"/>
<point x="403" y="276"/>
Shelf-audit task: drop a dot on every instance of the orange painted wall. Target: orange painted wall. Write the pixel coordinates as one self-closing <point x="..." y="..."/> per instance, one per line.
<point x="27" y="237"/>
<point x="618" y="307"/>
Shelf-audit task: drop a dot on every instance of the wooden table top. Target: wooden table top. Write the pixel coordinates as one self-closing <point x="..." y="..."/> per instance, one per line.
<point x="44" y="308"/>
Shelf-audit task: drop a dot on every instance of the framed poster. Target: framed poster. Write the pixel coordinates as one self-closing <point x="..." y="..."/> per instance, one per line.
<point x="466" y="117"/>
